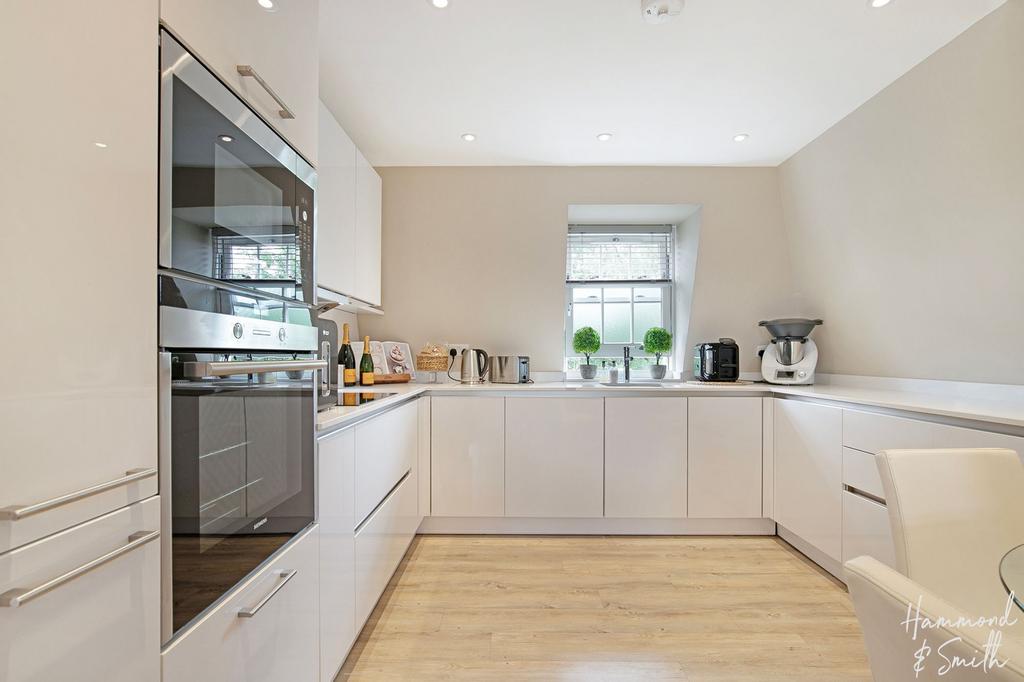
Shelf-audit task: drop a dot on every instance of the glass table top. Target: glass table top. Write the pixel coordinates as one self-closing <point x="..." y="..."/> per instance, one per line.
<point x="1011" y="572"/>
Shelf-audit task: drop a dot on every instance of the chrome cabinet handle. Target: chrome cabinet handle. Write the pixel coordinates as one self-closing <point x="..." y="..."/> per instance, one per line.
<point x="246" y="71"/>
<point x="253" y="610"/>
<point x="18" y="596"/>
<point x="15" y="512"/>
<point x="196" y="370"/>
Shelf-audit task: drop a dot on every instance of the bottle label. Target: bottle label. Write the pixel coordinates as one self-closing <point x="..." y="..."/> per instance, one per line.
<point x="367" y="378"/>
<point x="349" y="377"/>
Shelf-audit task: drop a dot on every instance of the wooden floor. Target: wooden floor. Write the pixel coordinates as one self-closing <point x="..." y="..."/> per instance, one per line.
<point x="609" y="608"/>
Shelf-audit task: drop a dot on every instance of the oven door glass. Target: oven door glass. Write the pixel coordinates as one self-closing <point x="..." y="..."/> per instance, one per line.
<point x="242" y="478"/>
<point x="235" y="208"/>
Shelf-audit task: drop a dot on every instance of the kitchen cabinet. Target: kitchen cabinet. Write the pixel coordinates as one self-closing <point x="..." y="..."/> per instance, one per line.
<point x="808" y="473"/>
<point x="336" y="207"/>
<point x="277" y="642"/>
<point x="368" y="232"/>
<point x="724" y="452"/>
<point x="385" y="451"/>
<point x="78" y="409"/>
<point x="554" y="457"/>
<point x="866" y="529"/>
<point x="336" y="491"/>
<point x="101" y="625"/>
<point x="872" y="432"/>
<point x="279" y="44"/>
<point x="645" y="457"/>
<point x="467" y="456"/>
<point x="423" y="454"/>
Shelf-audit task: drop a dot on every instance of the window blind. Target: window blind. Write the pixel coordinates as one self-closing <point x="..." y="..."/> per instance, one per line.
<point x="239" y="257"/>
<point x="600" y="253"/>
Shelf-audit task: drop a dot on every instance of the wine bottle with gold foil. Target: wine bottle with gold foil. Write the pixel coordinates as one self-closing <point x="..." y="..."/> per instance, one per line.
<point x="347" y="359"/>
<point x="366" y="364"/>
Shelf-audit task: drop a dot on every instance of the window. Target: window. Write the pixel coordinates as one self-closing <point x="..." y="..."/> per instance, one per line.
<point x="618" y="280"/>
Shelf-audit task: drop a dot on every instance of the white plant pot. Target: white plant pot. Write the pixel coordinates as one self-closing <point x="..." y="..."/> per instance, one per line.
<point x="658" y="371"/>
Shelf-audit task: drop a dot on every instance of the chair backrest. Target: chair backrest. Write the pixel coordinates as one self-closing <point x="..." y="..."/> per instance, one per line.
<point x="954" y="514"/>
<point x="888" y="605"/>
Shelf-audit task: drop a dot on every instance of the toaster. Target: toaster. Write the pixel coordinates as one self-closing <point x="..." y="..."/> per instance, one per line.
<point x="510" y="369"/>
<point x="716" y="361"/>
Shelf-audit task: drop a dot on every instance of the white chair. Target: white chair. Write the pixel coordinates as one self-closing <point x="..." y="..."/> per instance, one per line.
<point x="954" y="514"/>
<point x="883" y="598"/>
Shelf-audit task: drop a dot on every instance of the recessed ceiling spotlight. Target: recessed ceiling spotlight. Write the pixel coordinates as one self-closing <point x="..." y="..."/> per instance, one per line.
<point x="226" y="138"/>
<point x="468" y="137"/>
<point x="742" y="137"/>
<point x="101" y="145"/>
<point x="878" y="4"/>
<point x="265" y="4"/>
<point x="440" y="4"/>
<point x="604" y="137"/>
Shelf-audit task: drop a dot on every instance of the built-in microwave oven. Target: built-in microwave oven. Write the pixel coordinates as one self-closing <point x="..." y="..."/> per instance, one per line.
<point x="236" y="201"/>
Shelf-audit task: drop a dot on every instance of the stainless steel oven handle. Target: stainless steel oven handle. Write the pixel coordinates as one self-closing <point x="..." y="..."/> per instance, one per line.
<point x="16" y="512"/>
<point x="18" y="596"/>
<point x="246" y="71"/>
<point x="196" y="370"/>
<point x="252" y="611"/>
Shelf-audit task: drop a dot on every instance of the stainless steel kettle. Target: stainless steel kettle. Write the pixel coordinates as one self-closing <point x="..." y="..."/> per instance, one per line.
<point x="475" y="363"/>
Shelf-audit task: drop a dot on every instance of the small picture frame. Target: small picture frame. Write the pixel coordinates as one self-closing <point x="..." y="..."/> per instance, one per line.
<point x="399" y="358"/>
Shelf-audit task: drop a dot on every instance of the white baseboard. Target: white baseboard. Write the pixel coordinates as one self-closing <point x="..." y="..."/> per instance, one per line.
<point x="813" y="553"/>
<point x="440" y="525"/>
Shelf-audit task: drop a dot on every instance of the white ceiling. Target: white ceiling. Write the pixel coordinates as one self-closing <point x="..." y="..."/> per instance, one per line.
<point x="537" y="80"/>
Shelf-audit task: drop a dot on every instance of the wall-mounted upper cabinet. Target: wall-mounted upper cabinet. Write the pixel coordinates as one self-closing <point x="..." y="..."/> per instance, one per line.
<point x="336" y="207"/>
<point x="368" y="218"/>
<point x="278" y="43"/>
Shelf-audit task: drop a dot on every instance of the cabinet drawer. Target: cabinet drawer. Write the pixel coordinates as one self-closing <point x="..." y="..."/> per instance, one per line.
<point x="866" y="530"/>
<point x="278" y="642"/>
<point x="386" y="448"/>
<point x="860" y="471"/>
<point x="381" y="543"/>
<point x="102" y="624"/>
<point x="876" y="432"/>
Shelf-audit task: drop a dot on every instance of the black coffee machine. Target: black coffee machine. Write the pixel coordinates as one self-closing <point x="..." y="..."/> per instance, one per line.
<point x="716" y="361"/>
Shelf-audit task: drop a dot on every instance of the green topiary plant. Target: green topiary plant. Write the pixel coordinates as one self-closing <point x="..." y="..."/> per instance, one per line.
<point x="657" y="340"/>
<point x="587" y="341"/>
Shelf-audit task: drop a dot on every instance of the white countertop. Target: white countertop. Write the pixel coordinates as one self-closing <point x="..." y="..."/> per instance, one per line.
<point x="1004" y="407"/>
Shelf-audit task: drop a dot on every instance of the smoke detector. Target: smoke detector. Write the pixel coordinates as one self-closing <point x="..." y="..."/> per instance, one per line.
<point x="660" y="11"/>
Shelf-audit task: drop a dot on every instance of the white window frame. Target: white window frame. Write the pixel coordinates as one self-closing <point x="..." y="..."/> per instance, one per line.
<point x="614" y="350"/>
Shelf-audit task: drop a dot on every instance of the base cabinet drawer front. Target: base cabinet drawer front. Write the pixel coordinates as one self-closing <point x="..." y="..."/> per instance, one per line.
<point x="467" y="456"/>
<point x="866" y="530"/>
<point x="554" y="457"/>
<point x="336" y="487"/>
<point x="725" y="462"/>
<point x="809" y="473"/>
<point x="860" y="471"/>
<point x="876" y="432"/>
<point x="386" y="448"/>
<point x="381" y="543"/>
<point x="103" y="624"/>
<point x="645" y="457"/>
<point x="278" y="642"/>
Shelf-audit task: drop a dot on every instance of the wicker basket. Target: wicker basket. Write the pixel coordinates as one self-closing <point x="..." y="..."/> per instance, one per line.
<point x="432" y="359"/>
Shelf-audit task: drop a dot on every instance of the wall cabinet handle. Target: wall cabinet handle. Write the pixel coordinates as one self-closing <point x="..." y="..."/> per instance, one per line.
<point x="18" y="596"/>
<point x="16" y="512"/>
<point x="253" y="610"/>
<point x="246" y="71"/>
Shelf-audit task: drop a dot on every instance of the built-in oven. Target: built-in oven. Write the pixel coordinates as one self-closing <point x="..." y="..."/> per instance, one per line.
<point x="238" y="402"/>
<point x="236" y="201"/>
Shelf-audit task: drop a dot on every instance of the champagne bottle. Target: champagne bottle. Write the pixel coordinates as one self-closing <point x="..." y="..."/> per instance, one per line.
<point x="366" y="364"/>
<point x="347" y="360"/>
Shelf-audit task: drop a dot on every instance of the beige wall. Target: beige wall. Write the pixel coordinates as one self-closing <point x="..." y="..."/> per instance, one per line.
<point x="906" y="219"/>
<point x="477" y="255"/>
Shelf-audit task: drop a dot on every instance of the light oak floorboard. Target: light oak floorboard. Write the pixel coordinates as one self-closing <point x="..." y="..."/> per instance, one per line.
<point x="609" y="608"/>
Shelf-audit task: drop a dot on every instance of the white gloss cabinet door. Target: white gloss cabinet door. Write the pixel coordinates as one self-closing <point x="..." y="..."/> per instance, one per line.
<point x="866" y="529"/>
<point x="368" y="232"/>
<point x="279" y="642"/>
<point x="336" y="207"/>
<point x="280" y="45"/>
<point x="645" y="457"/>
<point x="809" y="473"/>
<point x="78" y="182"/>
<point x="336" y="490"/>
<point x="554" y="457"/>
<point x="725" y="461"/>
<point x="467" y="456"/>
<point x="103" y="625"/>
<point x="386" y="449"/>
<point x="423" y="453"/>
